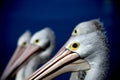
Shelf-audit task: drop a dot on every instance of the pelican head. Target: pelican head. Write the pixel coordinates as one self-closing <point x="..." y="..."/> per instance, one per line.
<point x="87" y="27"/>
<point x="43" y="39"/>
<point x="85" y="44"/>
<point x="24" y="40"/>
<point x="22" y="44"/>
<point x="39" y="42"/>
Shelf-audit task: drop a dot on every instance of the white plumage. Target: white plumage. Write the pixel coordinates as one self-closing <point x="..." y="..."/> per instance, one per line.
<point x="94" y="40"/>
<point x="95" y="52"/>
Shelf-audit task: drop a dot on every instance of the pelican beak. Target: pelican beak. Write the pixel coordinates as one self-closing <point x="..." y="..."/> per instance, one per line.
<point x="58" y="65"/>
<point x="18" y="52"/>
<point x="72" y="67"/>
<point x="19" y="59"/>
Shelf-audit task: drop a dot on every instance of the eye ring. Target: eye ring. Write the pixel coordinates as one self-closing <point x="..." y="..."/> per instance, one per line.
<point x="74" y="46"/>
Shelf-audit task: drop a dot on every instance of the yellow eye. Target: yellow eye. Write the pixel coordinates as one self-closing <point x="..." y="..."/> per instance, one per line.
<point x="74" y="46"/>
<point x="24" y="43"/>
<point x="75" y="32"/>
<point x="37" y="41"/>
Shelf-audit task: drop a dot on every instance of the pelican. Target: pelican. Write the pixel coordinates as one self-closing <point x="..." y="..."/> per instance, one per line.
<point x="85" y="54"/>
<point x="24" y="40"/>
<point x="39" y="50"/>
<point x="22" y="44"/>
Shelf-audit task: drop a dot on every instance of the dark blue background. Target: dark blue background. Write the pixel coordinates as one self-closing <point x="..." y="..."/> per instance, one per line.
<point x="17" y="16"/>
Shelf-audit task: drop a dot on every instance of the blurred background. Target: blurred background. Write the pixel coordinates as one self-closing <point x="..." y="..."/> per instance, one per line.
<point x="17" y="16"/>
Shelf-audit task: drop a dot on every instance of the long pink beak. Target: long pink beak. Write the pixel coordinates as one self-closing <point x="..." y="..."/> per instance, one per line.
<point x="20" y="57"/>
<point x="18" y="52"/>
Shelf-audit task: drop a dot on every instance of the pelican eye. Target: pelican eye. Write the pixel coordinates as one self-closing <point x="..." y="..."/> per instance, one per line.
<point x="74" y="46"/>
<point x="75" y="32"/>
<point x="37" y="41"/>
<point x="24" y="43"/>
